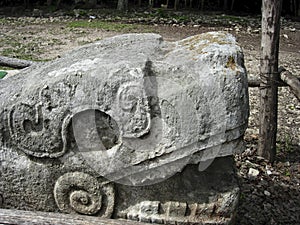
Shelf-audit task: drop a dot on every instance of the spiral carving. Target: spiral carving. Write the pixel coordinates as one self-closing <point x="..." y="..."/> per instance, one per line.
<point x="79" y="192"/>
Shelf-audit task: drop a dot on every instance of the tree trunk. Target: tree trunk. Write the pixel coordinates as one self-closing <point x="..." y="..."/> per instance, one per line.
<point x="202" y="5"/>
<point x="122" y="5"/>
<point x="186" y="4"/>
<point x="92" y="3"/>
<point x="294" y="7"/>
<point x="271" y="10"/>
<point x="225" y="5"/>
<point x="151" y="3"/>
<point x="176" y="3"/>
<point x="232" y="5"/>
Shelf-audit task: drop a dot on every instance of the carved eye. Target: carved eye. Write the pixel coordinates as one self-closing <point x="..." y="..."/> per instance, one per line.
<point x="129" y="95"/>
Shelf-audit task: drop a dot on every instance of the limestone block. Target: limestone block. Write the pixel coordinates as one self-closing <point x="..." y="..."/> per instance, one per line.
<point x="129" y="111"/>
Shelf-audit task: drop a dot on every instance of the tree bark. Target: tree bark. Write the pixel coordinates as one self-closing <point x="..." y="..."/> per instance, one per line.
<point x="176" y="4"/>
<point x="232" y="5"/>
<point x="92" y="3"/>
<point x="151" y="3"/>
<point x="225" y="5"/>
<point x="9" y="216"/>
<point x="271" y="10"/>
<point x="15" y="63"/>
<point x="201" y="5"/>
<point x="122" y="5"/>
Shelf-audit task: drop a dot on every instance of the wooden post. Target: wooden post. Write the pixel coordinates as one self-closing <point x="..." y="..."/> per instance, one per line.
<point x="271" y="10"/>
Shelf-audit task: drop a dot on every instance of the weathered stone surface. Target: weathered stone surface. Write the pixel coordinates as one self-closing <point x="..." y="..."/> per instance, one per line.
<point x="128" y="110"/>
<point x="188" y="197"/>
<point x="11" y="216"/>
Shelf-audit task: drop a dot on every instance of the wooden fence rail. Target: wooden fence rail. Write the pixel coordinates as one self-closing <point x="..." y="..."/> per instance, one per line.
<point x="20" y="217"/>
<point x="15" y="63"/>
<point x="287" y="79"/>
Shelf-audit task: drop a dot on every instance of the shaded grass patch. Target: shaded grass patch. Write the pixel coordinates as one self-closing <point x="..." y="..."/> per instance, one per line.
<point x="109" y="26"/>
<point x="2" y="74"/>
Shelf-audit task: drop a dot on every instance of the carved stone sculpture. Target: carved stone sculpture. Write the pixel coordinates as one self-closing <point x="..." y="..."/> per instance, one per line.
<point x="129" y="127"/>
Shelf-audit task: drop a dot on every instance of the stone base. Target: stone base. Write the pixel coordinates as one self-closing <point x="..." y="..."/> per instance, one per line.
<point x="189" y="197"/>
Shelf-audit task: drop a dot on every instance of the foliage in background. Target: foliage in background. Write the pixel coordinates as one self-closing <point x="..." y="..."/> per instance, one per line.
<point x="290" y="7"/>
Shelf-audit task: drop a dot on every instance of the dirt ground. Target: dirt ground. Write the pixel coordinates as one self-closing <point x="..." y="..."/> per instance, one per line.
<point x="273" y="196"/>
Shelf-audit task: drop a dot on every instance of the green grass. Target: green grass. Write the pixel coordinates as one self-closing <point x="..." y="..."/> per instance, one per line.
<point x="2" y="74"/>
<point x="109" y="26"/>
<point x="15" y="47"/>
<point x="20" y="52"/>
